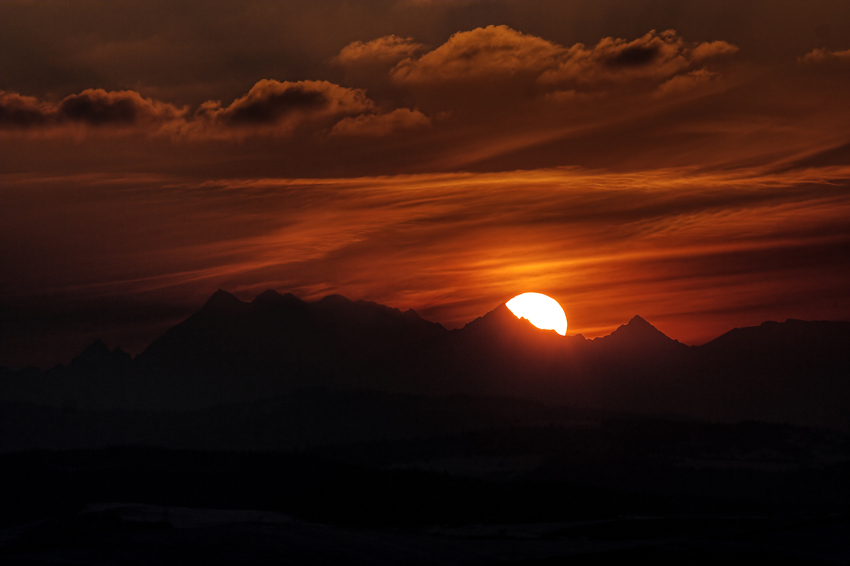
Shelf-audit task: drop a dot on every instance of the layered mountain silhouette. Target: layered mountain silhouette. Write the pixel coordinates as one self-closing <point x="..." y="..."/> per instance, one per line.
<point x="232" y="352"/>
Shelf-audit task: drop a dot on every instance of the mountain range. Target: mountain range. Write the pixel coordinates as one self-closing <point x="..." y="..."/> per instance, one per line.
<point x="232" y="352"/>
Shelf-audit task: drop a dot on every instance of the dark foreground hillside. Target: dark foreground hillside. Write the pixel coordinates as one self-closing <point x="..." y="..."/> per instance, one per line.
<point x="342" y="432"/>
<point x="619" y="489"/>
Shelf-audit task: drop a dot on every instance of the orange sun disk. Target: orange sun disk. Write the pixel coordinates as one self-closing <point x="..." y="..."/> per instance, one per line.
<point x="540" y="310"/>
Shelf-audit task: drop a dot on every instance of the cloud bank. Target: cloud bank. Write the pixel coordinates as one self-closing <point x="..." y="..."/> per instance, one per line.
<point x="492" y="59"/>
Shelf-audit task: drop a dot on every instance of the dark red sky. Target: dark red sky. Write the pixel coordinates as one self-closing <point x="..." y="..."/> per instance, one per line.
<point x="688" y="162"/>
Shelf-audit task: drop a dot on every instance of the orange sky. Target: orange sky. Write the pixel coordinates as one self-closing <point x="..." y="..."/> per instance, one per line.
<point x="666" y="159"/>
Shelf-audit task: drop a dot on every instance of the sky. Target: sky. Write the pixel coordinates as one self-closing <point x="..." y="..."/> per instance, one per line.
<point x="688" y="162"/>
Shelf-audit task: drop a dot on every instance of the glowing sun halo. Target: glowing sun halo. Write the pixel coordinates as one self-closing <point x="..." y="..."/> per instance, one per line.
<point x="540" y="310"/>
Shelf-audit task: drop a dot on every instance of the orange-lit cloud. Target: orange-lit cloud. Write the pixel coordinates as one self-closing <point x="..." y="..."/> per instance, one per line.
<point x="381" y="124"/>
<point x="493" y="52"/>
<point x="651" y="59"/>
<point x="686" y="82"/>
<point x="823" y="55"/>
<point x="499" y="53"/>
<point x="381" y="52"/>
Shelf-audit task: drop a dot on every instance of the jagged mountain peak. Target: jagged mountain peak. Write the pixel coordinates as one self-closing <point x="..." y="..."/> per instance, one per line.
<point x="501" y="321"/>
<point x="272" y="297"/>
<point x="637" y="333"/>
<point x="222" y="300"/>
<point x="637" y="324"/>
<point x="98" y="355"/>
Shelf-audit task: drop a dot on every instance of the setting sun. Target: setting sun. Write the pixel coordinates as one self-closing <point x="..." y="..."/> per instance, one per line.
<point x="540" y="310"/>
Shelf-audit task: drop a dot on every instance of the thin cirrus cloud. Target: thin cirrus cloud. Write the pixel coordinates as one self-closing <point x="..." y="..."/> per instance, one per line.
<point x="697" y="253"/>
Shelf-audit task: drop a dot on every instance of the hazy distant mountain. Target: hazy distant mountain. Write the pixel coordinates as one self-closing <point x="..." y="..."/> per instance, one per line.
<point x="231" y="351"/>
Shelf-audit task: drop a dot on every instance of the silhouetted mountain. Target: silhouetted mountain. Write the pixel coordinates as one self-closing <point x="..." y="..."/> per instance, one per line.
<point x="98" y="358"/>
<point x="639" y="336"/>
<point x="231" y="351"/>
<point x="278" y="342"/>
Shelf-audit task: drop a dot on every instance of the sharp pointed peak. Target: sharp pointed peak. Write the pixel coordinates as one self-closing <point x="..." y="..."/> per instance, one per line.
<point x="221" y="300"/>
<point x="638" y="320"/>
<point x="499" y="317"/>
<point x="97" y="354"/>
<point x="410" y="313"/>
<point x="222" y="295"/>
<point x="97" y="347"/>
<point x="637" y="329"/>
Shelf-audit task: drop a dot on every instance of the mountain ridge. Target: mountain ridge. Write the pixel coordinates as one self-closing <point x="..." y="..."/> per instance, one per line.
<point x="236" y="351"/>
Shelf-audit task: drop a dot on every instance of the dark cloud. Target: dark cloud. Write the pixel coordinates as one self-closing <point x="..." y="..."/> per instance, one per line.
<point x="92" y="107"/>
<point x="635" y="56"/>
<point x="18" y="111"/>
<point x="190" y="52"/>
<point x="650" y="60"/>
<point x="269" y="107"/>
<point x="97" y="107"/>
<point x="269" y="102"/>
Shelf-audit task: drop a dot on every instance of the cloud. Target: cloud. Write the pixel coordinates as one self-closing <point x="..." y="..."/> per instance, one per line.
<point x="17" y="111"/>
<point x="451" y="246"/>
<point x="707" y="51"/>
<point x="269" y="107"/>
<point x="490" y="52"/>
<point x="283" y="105"/>
<point x="688" y="82"/>
<point x="384" y="51"/>
<point x="92" y="107"/>
<point x="823" y="55"/>
<point x="652" y="59"/>
<point x="379" y="125"/>
<point x="503" y="55"/>
<point x="97" y="107"/>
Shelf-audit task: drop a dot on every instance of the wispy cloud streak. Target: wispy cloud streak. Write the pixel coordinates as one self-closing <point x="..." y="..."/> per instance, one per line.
<point x="697" y="253"/>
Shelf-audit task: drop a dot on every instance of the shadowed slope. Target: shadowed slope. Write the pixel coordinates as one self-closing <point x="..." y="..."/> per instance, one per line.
<point x="232" y="351"/>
